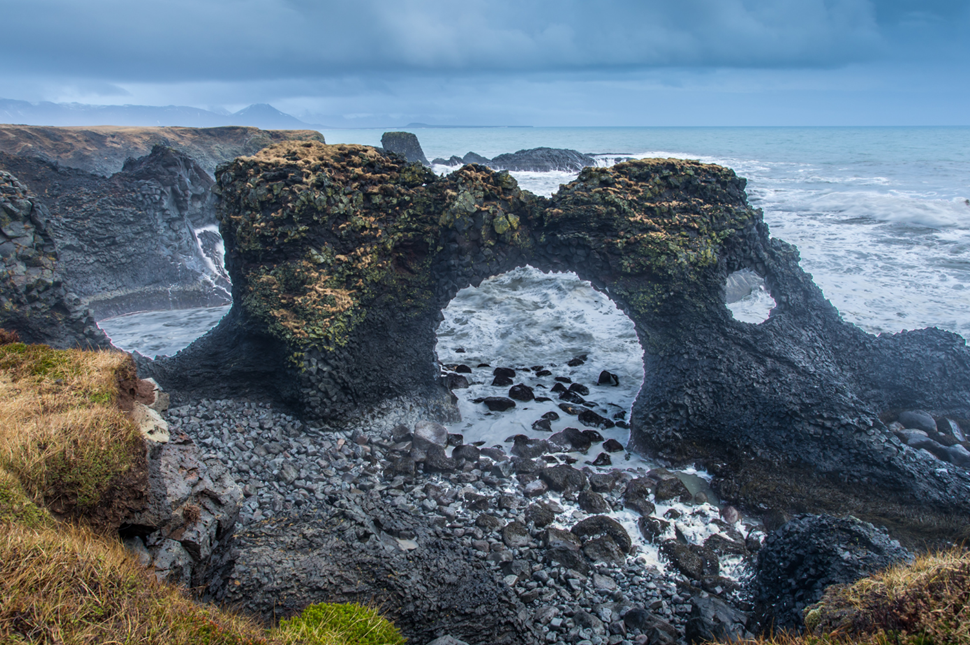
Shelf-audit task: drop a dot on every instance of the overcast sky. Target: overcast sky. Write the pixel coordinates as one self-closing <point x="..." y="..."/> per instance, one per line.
<point x="521" y="62"/>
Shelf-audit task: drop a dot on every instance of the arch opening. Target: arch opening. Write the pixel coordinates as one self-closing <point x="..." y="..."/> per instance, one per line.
<point x="747" y="297"/>
<point x="526" y="319"/>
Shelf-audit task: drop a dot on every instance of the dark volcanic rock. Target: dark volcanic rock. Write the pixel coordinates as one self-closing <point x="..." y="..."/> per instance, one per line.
<point x="543" y="160"/>
<point x="713" y="620"/>
<point x="563" y="478"/>
<point x="499" y="403"/>
<point x="692" y="560"/>
<point x="521" y="392"/>
<point x="405" y="144"/>
<point x="339" y="553"/>
<point x="598" y="525"/>
<point x="811" y="552"/>
<point x="34" y="300"/>
<point x="127" y="243"/>
<point x="791" y="410"/>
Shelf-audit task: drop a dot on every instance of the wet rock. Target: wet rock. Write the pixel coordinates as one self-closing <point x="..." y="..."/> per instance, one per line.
<point x="455" y="381"/>
<point x="672" y="488"/>
<point x="599" y="525"/>
<point x="579" y="388"/>
<point x="530" y="448"/>
<point x="713" y="620"/>
<point x="602" y="459"/>
<point x="506" y="372"/>
<point x="540" y="160"/>
<point x="467" y="452"/>
<point x="535" y="488"/>
<point x="590" y="418"/>
<point x="608" y="378"/>
<point x="572" y="397"/>
<point x="576" y="362"/>
<point x="563" y="478"/>
<point x="558" y="388"/>
<point x="811" y="552"/>
<point x="498" y="403"/>
<point x="720" y="545"/>
<point x="602" y="482"/>
<point x="612" y="445"/>
<point x="593" y="502"/>
<point x="637" y="494"/>
<point x="521" y="392"/>
<point x="692" y="560"/>
<point x="525" y="466"/>
<point x="501" y="381"/>
<point x="400" y="433"/>
<point x="542" y="425"/>
<point x="603" y="549"/>
<point x="729" y="514"/>
<point x="463" y="369"/>
<point x="653" y="529"/>
<point x="571" y="439"/>
<point x="432" y="432"/>
<point x="592" y="435"/>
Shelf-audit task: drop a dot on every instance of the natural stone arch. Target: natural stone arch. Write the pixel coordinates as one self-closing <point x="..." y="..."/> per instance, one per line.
<point x="342" y="258"/>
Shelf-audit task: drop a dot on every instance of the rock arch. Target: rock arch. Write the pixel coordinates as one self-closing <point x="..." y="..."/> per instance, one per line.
<point x="342" y="258"/>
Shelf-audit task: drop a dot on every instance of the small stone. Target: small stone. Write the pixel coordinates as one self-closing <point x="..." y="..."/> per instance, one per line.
<point x="602" y="459"/>
<point x="516" y="535"/>
<point x="612" y="445"/>
<point x="498" y="403"/>
<point x="521" y="392"/>
<point x="592" y="502"/>
<point x="432" y="432"/>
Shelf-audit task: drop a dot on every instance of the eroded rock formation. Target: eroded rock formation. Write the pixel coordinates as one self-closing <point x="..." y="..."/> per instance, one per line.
<point x="128" y="242"/>
<point x="34" y="300"/>
<point x="342" y="259"/>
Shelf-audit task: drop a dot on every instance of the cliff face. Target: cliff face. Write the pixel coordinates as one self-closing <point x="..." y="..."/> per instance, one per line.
<point x="128" y="242"/>
<point x="103" y="150"/>
<point x="342" y="259"/>
<point x="34" y="301"/>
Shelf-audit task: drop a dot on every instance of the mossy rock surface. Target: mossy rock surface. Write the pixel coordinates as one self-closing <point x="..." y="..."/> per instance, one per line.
<point x="342" y="258"/>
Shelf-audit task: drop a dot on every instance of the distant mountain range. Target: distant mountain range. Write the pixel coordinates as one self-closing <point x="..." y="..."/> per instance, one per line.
<point x="259" y="115"/>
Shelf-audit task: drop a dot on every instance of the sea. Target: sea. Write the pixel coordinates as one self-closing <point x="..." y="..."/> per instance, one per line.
<point x="881" y="217"/>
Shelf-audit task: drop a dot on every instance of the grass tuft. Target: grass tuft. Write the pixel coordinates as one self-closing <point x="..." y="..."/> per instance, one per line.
<point x="340" y="624"/>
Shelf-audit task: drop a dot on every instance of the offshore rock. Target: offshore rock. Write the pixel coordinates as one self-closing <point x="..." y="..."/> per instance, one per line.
<point x="128" y="243"/>
<point x="810" y="553"/>
<point x="405" y="144"/>
<point x="340" y="552"/>
<point x="34" y="300"/>
<point x="342" y="259"/>
<point x="534" y="159"/>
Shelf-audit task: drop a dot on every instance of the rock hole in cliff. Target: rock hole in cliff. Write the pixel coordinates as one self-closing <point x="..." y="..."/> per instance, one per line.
<point x="558" y="334"/>
<point x="747" y="297"/>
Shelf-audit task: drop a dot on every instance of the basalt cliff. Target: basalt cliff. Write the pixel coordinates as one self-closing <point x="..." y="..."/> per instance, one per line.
<point x="135" y="240"/>
<point x="103" y="150"/>
<point x="342" y="258"/>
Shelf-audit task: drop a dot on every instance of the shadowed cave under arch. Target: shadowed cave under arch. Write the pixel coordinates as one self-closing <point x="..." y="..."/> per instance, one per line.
<point x="342" y="258"/>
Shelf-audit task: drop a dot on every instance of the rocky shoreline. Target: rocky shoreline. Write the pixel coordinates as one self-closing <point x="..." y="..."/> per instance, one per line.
<point x="295" y="477"/>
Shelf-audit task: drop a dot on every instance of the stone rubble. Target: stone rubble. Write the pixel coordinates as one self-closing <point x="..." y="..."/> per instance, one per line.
<point x="583" y="585"/>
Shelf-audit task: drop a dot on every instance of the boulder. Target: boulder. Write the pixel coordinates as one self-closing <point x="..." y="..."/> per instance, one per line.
<point x="432" y="432"/>
<point x="811" y="552"/>
<point x="713" y="620"/>
<point x="499" y="403"/>
<point x="598" y="525"/>
<point x="563" y="479"/>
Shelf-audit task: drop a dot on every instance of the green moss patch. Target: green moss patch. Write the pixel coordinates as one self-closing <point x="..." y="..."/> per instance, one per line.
<point x="341" y="624"/>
